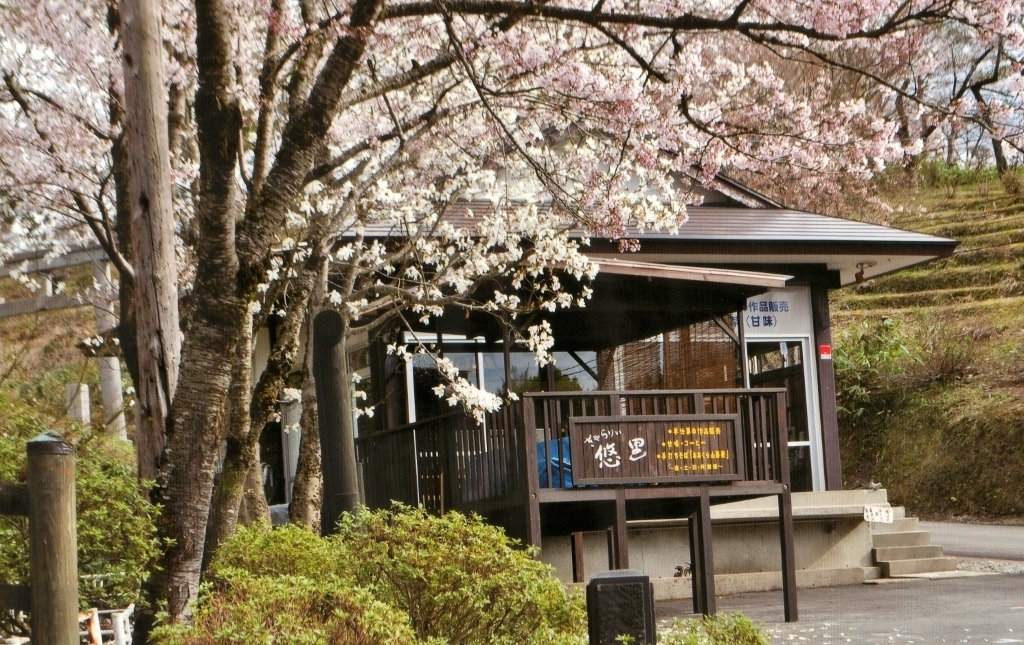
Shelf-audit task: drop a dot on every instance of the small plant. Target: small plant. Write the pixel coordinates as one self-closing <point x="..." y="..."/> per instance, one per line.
<point x="720" y="629"/>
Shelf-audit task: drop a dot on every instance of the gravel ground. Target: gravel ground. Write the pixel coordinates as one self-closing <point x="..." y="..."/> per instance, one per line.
<point x="993" y="566"/>
<point x="981" y="610"/>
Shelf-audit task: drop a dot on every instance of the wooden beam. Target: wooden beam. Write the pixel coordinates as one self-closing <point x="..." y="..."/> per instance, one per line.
<point x="41" y="303"/>
<point x="696" y="572"/>
<point x="692" y="274"/>
<point x="729" y="331"/>
<point x="37" y="261"/>
<point x="52" y="540"/>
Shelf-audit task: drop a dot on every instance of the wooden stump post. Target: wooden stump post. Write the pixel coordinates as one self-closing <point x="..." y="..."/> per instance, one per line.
<point x="53" y="541"/>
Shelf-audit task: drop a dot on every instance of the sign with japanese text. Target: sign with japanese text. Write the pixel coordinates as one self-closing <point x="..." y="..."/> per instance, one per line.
<point x="655" y="449"/>
<point x="779" y="312"/>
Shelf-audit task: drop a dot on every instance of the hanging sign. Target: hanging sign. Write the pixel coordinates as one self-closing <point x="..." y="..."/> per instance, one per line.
<point x="779" y="312"/>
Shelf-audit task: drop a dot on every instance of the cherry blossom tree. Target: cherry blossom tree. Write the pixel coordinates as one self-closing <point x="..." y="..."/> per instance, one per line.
<point x="299" y="131"/>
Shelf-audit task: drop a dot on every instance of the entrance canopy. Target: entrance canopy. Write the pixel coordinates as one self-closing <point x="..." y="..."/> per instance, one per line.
<point x="633" y="300"/>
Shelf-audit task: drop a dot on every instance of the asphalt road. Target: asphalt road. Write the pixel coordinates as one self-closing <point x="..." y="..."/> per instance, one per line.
<point x="978" y="540"/>
<point x="983" y="609"/>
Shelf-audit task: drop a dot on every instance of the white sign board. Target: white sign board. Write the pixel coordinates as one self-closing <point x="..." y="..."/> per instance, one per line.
<point x="881" y="514"/>
<point x="779" y="312"/>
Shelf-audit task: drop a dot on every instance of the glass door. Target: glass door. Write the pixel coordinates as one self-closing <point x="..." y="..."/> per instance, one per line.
<point x="781" y="364"/>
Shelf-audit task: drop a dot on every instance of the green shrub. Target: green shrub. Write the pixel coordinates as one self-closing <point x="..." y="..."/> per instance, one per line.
<point x="458" y="578"/>
<point x="451" y="579"/>
<point x="241" y="608"/>
<point x="720" y="629"/>
<point x="117" y="542"/>
<point x="870" y="361"/>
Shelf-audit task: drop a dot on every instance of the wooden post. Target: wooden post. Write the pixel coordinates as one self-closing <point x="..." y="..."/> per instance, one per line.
<point x="619" y="531"/>
<point x="334" y="413"/>
<point x="53" y="542"/>
<point x="578" y="568"/>
<point x="696" y="573"/>
<point x="826" y="387"/>
<point x="110" y="366"/>
<point x="788" y="556"/>
<point x="705" y="554"/>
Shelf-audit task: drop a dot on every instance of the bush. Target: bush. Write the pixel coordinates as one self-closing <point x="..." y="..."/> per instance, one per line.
<point x="450" y="579"/>
<point x="242" y="608"/>
<point x="720" y="629"/>
<point x="457" y="578"/>
<point x="117" y="544"/>
<point x="870" y="361"/>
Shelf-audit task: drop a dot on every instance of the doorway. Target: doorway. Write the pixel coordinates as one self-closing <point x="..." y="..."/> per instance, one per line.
<point x="782" y="364"/>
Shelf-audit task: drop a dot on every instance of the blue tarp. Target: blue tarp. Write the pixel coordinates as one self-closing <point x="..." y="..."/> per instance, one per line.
<point x="556" y="471"/>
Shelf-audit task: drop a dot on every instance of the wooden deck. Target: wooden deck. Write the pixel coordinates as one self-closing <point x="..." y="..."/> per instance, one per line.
<point x="560" y="463"/>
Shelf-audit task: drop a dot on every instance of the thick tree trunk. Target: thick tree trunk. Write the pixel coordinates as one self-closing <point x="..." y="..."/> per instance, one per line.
<point x="227" y="279"/>
<point x="331" y="332"/>
<point x="152" y="222"/>
<point x="228" y="490"/>
<point x="239" y="496"/>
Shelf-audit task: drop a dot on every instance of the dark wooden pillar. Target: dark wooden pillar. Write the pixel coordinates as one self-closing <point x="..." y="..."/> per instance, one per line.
<point x="334" y="412"/>
<point x="696" y="579"/>
<point x="621" y="546"/>
<point x="578" y="568"/>
<point x="826" y="387"/>
<point x="702" y="561"/>
<point x="788" y="555"/>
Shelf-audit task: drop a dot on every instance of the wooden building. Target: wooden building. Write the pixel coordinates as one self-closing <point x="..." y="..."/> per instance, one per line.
<point x="700" y="372"/>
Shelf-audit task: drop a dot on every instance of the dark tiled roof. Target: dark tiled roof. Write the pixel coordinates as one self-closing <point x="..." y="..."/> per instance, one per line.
<point x="731" y="224"/>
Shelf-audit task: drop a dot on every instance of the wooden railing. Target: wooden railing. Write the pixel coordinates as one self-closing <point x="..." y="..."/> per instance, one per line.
<point x="447" y="462"/>
<point x="762" y="414"/>
<point x="450" y="462"/>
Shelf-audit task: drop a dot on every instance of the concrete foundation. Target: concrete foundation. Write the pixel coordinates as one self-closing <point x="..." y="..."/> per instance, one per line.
<point x="833" y="545"/>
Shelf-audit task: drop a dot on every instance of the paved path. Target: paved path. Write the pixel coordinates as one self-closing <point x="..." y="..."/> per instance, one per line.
<point x="978" y="540"/>
<point x="984" y="609"/>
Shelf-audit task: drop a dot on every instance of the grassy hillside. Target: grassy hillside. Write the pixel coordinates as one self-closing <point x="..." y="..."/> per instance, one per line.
<point x="930" y="359"/>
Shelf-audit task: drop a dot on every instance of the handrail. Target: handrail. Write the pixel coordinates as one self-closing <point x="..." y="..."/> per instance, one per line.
<point x="579" y="393"/>
<point x="451" y="462"/>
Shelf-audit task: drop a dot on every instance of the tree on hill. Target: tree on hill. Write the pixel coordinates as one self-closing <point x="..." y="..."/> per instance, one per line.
<point x="293" y="128"/>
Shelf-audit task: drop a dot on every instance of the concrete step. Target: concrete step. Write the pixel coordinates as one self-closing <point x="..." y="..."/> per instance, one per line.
<point x="902" y="525"/>
<point x="907" y="538"/>
<point x="907" y="552"/>
<point x="922" y="565"/>
<point x="899" y="512"/>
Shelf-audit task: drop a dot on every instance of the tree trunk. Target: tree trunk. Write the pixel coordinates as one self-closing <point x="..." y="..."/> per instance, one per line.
<point x="307" y="491"/>
<point x="337" y="433"/>
<point x="152" y="222"/>
<point x="253" y="505"/>
<point x="997" y="151"/>
<point x="228" y="490"/>
<point x="239" y="495"/>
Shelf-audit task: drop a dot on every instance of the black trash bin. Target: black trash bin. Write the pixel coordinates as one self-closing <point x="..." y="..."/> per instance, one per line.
<point x="620" y="603"/>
